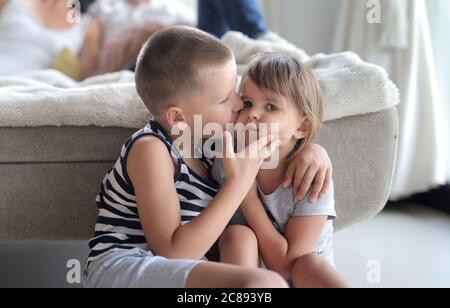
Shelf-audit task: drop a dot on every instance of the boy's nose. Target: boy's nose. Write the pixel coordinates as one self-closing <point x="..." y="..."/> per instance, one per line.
<point x="238" y="104"/>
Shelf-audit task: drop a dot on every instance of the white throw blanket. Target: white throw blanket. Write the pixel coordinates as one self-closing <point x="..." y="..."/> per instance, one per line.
<point x="349" y="85"/>
<point x="48" y="98"/>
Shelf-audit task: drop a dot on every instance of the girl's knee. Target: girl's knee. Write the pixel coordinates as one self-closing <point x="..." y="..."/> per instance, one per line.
<point x="308" y="263"/>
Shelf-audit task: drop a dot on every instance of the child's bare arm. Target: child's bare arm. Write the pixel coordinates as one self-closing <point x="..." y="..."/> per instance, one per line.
<point x="151" y="171"/>
<point x="280" y="252"/>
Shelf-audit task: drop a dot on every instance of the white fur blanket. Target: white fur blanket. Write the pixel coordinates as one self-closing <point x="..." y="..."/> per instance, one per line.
<point x="48" y="98"/>
<point x="349" y="85"/>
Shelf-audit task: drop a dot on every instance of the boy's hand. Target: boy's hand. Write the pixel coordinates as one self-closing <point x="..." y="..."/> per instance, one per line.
<point x="243" y="167"/>
<point x="312" y="163"/>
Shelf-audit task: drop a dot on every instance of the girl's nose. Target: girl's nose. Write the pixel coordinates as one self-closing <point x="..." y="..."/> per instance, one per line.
<point x="253" y="115"/>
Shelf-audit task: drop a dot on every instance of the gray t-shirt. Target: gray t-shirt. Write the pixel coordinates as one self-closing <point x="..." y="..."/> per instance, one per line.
<point x="283" y="204"/>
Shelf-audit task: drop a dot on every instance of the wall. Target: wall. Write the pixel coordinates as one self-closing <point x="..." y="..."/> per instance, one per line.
<point x="308" y="24"/>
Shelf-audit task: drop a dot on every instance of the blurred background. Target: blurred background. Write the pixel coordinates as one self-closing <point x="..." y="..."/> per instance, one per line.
<point x="408" y="244"/>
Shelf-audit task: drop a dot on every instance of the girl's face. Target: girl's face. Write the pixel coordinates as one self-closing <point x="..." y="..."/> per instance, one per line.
<point x="264" y="107"/>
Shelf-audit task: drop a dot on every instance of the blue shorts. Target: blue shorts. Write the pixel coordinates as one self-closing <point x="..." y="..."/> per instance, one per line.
<point x="137" y="268"/>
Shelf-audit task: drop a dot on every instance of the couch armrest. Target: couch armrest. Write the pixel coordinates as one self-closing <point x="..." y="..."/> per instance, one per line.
<point x="363" y="151"/>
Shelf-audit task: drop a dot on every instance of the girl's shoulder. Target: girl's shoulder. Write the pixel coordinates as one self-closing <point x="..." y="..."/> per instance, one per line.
<point x="324" y="206"/>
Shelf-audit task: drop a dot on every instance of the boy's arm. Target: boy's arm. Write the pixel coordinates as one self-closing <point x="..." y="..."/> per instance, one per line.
<point x="311" y="164"/>
<point x="151" y="171"/>
<point x="280" y="252"/>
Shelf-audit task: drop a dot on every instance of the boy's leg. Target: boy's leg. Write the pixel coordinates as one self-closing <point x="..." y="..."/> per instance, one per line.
<point x="312" y="271"/>
<point x="219" y="275"/>
<point x="137" y="268"/>
<point x="238" y="245"/>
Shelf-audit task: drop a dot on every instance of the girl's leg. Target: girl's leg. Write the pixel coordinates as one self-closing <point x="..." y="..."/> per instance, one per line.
<point x="219" y="275"/>
<point x="312" y="271"/>
<point x="238" y="245"/>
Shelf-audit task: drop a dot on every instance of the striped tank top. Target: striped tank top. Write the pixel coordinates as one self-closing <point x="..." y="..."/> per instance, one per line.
<point x="118" y="226"/>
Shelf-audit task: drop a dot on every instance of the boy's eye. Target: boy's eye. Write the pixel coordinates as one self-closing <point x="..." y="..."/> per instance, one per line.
<point x="248" y="105"/>
<point x="271" y="107"/>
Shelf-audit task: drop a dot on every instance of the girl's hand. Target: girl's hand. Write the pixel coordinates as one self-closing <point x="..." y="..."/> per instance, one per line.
<point x="312" y="163"/>
<point x="243" y="167"/>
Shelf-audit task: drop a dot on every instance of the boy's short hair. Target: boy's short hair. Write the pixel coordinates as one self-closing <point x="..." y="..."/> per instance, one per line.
<point x="288" y="77"/>
<point x="170" y="65"/>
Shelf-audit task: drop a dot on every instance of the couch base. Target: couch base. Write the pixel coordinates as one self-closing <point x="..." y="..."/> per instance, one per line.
<point x="50" y="200"/>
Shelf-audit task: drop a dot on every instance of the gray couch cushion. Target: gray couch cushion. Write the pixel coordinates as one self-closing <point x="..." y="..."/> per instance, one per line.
<point x="61" y="144"/>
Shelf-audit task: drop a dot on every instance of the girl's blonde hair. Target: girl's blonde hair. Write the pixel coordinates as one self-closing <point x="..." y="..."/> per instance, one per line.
<point x="290" y="78"/>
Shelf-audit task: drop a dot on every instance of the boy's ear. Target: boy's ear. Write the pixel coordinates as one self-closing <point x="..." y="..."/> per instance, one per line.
<point x="303" y="129"/>
<point x="174" y="117"/>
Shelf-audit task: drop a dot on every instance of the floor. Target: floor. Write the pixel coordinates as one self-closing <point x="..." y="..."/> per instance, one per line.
<point x="407" y="245"/>
<point x="404" y="246"/>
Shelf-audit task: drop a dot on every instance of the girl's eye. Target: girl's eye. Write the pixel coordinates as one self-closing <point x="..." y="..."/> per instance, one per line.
<point x="271" y="107"/>
<point x="248" y="105"/>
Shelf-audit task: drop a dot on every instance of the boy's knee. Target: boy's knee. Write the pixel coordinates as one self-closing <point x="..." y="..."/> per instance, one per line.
<point x="238" y="234"/>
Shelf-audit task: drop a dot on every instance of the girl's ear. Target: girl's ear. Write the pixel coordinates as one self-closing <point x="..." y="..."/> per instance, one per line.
<point x="303" y="130"/>
<point x="174" y="117"/>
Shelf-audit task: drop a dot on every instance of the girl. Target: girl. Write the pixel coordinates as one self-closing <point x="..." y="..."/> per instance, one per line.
<point x="294" y="237"/>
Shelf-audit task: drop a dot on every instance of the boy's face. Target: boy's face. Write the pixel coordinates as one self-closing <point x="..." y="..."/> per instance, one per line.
<point x="218" y="102"/>
<point x="263" y="107"/>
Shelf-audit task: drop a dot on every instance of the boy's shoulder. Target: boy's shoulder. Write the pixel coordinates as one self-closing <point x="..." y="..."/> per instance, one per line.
<point x="148" y="157"/>
<point x="148" y="147"/>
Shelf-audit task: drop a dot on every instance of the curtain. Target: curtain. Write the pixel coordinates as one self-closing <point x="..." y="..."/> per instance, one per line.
<point x="439" y="16"/>
<point x="403" y="44"/>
